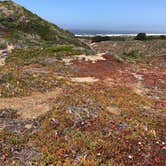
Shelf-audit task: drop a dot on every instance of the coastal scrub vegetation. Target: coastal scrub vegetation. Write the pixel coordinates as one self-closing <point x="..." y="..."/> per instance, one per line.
<point x="139" y="37"/>
<point x="18" y="23"/>
<point x="107" y="38"/>
<point x="60" y="107"/>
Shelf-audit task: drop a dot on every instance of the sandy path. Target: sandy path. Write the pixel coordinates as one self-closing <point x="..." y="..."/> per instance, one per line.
<point x="31" y="106"/>
<point x="92" y="58"/>
<point x="9" y="50"/>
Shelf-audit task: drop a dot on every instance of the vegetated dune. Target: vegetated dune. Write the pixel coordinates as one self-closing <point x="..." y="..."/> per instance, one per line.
<point x="59" y="106"/>
<point x="19" y="25"/>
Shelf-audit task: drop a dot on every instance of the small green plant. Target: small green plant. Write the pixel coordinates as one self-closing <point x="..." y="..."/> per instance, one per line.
<point x="3" y="45"/>
<point x="9" y="113"/>
<point x="132" y="55"/>
<point x="8" y="78"/>
<point x="60" y="49"/>
<point x="16" y="140"/>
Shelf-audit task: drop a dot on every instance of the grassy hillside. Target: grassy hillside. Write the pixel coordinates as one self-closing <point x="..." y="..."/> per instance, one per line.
<point x="20" y="25"/>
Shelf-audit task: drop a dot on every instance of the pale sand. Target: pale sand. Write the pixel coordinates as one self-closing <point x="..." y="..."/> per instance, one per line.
<point x="9" y="50"/>
<point x="84" y="79"/>
<point x="32" y="106"/>
<point x="92" y="58"/>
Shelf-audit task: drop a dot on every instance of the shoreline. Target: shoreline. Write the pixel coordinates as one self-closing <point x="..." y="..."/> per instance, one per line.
<point x="118" y="35"/>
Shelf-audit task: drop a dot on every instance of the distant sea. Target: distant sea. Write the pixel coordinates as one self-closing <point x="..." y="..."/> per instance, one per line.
<point x="91" y="33"/>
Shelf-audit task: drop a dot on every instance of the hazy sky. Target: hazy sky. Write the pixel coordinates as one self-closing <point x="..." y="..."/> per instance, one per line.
<point x="139" y="15"/>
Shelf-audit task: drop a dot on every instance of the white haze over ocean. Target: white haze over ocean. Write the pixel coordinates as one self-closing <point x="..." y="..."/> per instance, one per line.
<point x="92" y="33"/>
<point x="112" y="35"/>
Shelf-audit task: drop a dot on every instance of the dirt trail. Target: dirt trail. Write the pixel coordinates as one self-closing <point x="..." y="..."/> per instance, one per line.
<point x="31" y="106"/>
<point x="2" y="57"/>
<point x="7" y="50"/>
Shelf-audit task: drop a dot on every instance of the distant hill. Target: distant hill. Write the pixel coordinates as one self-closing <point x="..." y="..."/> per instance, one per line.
<point x="21" y="26"/>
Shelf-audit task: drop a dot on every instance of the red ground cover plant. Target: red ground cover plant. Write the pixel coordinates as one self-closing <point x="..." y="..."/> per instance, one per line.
<point x="104" y="69"/>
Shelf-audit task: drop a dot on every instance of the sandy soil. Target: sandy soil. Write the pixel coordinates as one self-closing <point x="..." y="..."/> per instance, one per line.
<point x="91" y="58"/>
<point x="8" y="49"/>
<point x="84" y="79"/>
<point x="32" y="106"/>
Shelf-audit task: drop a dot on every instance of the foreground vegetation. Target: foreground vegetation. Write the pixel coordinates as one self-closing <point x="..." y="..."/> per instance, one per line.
<point x="58" y="108"/>
<point x="80" y="133"/>
<point x="114" y="121"/>
<point x="15" y="81"/>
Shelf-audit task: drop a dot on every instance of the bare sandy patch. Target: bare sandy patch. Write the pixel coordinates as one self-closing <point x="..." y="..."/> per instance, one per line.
<point x="2" y="61"/>
<point x="84" y="79"/>
<point x="92" y="58"/>
<point x="110" y="81"/>
<point x="32" y="106"/>
<point x="114" y="110"/>
<point x="9" y="50"/>
<point x="138" y="87"/>
<point x="139" y="77"/>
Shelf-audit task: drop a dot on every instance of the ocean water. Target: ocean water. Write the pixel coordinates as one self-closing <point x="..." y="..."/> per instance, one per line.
<point x="91" y="33"/>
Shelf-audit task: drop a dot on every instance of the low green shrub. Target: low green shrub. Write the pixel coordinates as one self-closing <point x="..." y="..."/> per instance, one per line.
<point x="3" y="45"/>
<point x="107" y="38"/>
<point x="60" y="49"/>
<point x="29" y="56"/>
<point x="132" y="55"/>
<point x="160" y="37"/>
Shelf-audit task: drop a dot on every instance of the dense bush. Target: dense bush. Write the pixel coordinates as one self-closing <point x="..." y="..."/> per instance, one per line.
<point x="100" y="38"/>
<point x="141" y="36"/>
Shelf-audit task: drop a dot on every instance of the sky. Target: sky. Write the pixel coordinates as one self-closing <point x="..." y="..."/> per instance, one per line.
<point x="113" y="15"/>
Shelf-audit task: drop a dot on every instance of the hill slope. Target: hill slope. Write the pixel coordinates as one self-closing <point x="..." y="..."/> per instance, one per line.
<point x="20" y="25"/>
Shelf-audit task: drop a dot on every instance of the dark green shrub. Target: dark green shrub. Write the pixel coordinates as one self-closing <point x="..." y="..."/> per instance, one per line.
<point x="100" y="38"/>
<point x="162" y="37"/>
<point x="141" y="36"/>
<point x="107" y="38"/>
